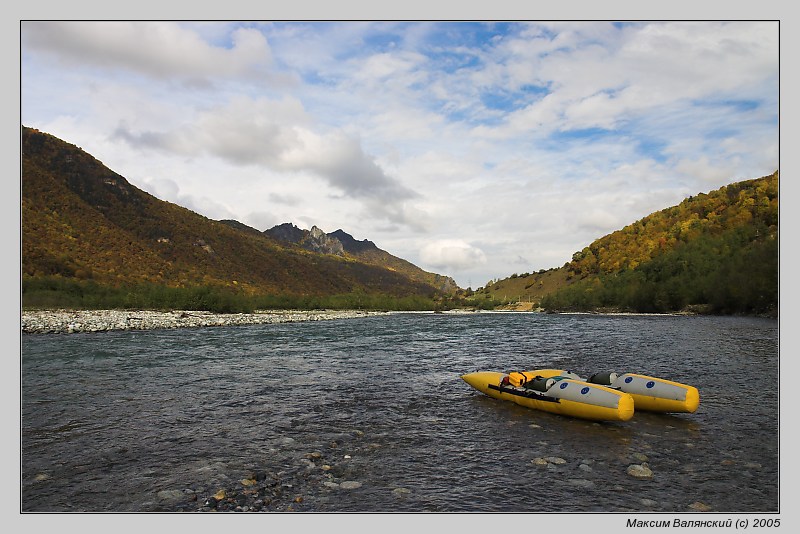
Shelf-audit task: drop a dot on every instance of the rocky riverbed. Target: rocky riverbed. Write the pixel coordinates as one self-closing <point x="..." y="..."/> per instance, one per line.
<point x="74" y="321"/>
<point x="304" y="482"/>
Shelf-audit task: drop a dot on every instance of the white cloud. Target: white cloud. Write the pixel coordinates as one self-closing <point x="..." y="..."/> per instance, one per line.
<point x="156" y="49"/>
<point x="451" y="254"/>
<point x="278" y="136"/>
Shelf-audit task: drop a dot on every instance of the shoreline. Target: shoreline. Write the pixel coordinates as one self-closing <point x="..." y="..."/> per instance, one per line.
<point x="82" y="321"/>
<point x="63" y="321"/>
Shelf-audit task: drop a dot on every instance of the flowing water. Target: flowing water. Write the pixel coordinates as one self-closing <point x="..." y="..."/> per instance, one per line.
<point x="370" y="415"/>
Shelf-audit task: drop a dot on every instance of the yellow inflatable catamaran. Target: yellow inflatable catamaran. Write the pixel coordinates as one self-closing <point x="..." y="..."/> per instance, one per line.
<point x="601" y="397"/>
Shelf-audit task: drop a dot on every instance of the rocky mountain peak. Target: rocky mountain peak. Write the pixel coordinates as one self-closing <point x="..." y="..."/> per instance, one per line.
<point x="315" y="233"/>
<point x="286" y="232"/>
<point x="351" y="244"/>
<point x="318" y="241"/>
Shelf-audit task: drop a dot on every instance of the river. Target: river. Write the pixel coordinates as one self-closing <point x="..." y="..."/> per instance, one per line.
<point x="370" y="415"/>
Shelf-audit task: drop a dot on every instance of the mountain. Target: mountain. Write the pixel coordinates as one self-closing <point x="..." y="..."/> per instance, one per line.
<point x="714" y="252"/>
<point x="83" y="223"/>
<point x="340" y="243"/>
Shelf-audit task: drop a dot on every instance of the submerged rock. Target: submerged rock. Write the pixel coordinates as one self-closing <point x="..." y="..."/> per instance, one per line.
<point x="642" y="471"/>
<point x="549" y="461"/>
<point x="171" y="495"/>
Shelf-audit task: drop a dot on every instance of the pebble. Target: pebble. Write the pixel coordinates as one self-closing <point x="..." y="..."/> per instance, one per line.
<point x="78" y="321"/>
<point x="350" y="484"/>
<point x="700" y="506"/>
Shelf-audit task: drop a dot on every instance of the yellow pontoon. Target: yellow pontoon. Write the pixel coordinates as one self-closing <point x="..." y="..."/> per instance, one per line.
<point x="555" y="391"/>
<point x="652" y="394"/>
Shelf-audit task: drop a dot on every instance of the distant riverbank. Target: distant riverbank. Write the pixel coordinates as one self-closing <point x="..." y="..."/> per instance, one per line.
<point x="75" y="321"/>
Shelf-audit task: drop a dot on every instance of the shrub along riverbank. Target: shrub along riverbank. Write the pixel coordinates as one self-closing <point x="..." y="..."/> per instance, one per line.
<point x="59" y="293"/>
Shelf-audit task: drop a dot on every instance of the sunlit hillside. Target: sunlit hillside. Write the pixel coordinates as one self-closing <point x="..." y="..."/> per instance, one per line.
<point x="715" y="252"/>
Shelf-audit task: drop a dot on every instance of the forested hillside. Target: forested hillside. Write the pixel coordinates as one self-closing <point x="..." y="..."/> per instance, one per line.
<point x="91" y="239"/>
<point x="715" y="252"/>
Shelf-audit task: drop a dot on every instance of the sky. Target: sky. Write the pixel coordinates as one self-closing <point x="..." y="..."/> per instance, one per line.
<point x="473" y="149"/>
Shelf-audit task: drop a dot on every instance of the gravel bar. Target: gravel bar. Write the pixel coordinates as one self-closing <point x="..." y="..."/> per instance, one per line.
<point x="75" y="321"/>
